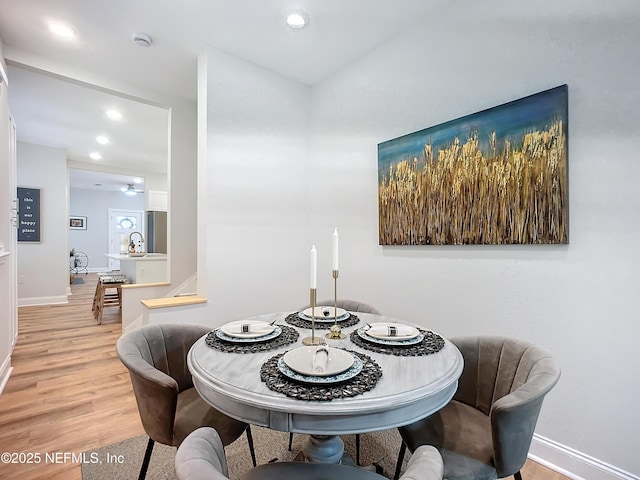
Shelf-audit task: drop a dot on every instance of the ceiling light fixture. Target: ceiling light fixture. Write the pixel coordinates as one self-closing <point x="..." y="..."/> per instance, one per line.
<point x="114" y="115"/>
<point x="62" y="30"/>
<point x="130" y="190"/>
<point x="297" y="20"/>
<point x="95" y="155"/>
<point x="102" y="139"/>
<point x="141" y="39"/>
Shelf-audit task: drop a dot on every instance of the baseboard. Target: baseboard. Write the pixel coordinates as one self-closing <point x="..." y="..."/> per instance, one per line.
<point x="5" y="373"/>
<point x="573" y="464"/>
<point x="34" y="301"/>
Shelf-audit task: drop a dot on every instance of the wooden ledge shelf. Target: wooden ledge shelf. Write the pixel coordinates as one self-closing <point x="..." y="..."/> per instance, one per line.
<point x="130" y="286"/>
<point x="173" y="301"/>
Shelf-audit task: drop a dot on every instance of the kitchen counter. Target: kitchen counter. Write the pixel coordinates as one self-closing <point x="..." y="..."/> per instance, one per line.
<point x="150" y="268"/>
<point x="137" y="257"/>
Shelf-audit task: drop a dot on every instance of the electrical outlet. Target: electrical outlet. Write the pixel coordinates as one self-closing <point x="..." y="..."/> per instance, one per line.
<point x="21" y="279"/>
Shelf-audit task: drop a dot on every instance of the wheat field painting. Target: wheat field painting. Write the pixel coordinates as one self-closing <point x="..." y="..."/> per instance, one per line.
<point x="498" y="176"/>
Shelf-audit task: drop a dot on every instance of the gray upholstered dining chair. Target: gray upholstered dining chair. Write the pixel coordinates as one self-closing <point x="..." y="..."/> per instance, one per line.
<point x="485" y="432"/>
<point x="201" y="457"/>
<point x="169" y="406"/>
<point x="350" y="306"/>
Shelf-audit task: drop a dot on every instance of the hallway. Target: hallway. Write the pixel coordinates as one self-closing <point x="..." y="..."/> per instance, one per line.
<point x="68" y="391"/>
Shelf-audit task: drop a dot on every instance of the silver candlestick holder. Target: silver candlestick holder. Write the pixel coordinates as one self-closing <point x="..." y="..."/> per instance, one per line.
<point x="312" y="340"/>
<point x="335" y="332"/>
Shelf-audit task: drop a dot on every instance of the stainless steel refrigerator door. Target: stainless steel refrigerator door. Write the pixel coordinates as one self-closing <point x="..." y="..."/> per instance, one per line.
<point x="157" y="232"/>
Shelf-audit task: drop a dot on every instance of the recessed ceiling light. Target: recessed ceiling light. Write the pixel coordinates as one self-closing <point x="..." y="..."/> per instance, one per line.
<point x="137" y="180"/>
<point x="114" y="115"/>
<point x="297" y="20"/>
<point x="62" y="30"/>
<point x="95" y="155"/>
<point x="102" y="139"/>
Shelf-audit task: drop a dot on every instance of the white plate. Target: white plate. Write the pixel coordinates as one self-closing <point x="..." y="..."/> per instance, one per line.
<point x="321" y="317"/>
<point x="265" y="338"/>
<point x="301" y="360"/>
<point x="391" y="341"/>
<point x="355" y="369"/>
<point x="414" y="331"/>
<point x="227" y="329"/>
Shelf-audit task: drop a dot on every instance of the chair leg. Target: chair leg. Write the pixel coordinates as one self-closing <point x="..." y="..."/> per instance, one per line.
<point x="517" y="475"/>
<point x="290" y="441"/>
<point x="145" y="462"/>
<point x="403" y="449"/>
<point x="358" y="449"/>
<point x="250" y="442"/>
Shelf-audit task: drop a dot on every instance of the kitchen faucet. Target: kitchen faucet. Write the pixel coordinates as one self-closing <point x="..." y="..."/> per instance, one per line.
<point x="141" y="240"/>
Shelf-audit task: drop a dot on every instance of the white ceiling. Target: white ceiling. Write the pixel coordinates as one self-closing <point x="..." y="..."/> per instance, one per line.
<point x="70" y="116"/>
<point x="51" y="111"/>
<point x="339" y="33"/>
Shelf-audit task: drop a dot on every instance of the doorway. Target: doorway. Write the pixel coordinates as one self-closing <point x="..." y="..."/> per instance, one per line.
<point x="122" y="224"/>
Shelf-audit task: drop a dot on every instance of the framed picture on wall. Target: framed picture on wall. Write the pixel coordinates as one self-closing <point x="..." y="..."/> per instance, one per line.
<point x="495" y="177"/>
<point x="29" y="219"/>
<point x="77" y="223"/>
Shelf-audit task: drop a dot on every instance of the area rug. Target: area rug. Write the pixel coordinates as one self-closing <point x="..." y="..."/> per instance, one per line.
<point x="78" y="281"/>
<point x="123" y="460"/>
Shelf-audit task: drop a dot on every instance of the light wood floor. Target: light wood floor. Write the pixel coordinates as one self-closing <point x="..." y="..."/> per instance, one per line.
<point x="70" y="393"/>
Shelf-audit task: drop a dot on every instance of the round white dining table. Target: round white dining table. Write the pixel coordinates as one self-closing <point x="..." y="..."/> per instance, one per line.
<point x="411" y="388"/>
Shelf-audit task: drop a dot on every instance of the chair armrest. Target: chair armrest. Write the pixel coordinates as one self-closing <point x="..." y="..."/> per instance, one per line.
<point x="425" y="464"/>
<point x="513" y="422"/>
<point x="156" y="395"/>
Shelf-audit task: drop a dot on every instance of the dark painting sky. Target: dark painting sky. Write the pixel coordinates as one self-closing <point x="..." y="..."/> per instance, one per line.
<point x="510" y="121"/>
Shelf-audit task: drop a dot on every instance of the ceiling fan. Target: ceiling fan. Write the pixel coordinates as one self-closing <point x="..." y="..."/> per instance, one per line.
<point x="130" y="189"/>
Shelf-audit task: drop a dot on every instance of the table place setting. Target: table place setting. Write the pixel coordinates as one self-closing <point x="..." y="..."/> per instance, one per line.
<point x="250" y="336"/>
<point x="320" y="373"/>
<point x="322" y="322"/>
<point x="397" y="339"/>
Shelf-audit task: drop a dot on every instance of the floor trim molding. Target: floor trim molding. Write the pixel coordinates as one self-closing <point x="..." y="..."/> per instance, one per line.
<point x="34" y="301"/>
<point x="5" y="373"/>
<point x="572" y="463"/>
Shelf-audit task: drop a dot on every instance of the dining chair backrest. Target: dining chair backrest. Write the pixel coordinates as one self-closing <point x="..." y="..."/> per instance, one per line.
<point x="347" y="304"/>
<point x="497" y="366"/>
<point x="155" y="356"/>
<point x="201" y="457"/>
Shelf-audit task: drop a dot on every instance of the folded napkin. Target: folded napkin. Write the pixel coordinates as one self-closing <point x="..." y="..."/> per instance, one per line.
<point x="320" y="359"/>
<point x="396" y="330"/>
<point x="255" y="327"/>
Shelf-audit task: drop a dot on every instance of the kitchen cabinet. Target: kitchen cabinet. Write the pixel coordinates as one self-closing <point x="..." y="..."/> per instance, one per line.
<point x="158" y="201"/>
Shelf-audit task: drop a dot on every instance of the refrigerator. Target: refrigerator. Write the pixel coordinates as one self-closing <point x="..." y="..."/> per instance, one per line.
<point x="156" y="232"/>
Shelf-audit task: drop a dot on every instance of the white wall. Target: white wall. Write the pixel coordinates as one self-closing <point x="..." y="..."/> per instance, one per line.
<point x="254" y="211"/>
<point x="43" y="268"/>
<point x="581" y="300"/>
<point x="95" y="205"/>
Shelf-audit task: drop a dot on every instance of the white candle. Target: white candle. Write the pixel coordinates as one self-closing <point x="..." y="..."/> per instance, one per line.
<point x="335" y="249"/>
<point x="314" y="266"/>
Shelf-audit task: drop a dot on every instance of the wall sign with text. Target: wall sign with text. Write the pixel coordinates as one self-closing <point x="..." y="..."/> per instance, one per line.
<point x="28" y="214"/>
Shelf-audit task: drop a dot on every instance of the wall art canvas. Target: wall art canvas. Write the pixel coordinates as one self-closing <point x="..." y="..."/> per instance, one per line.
<point x="498" y="176"/>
